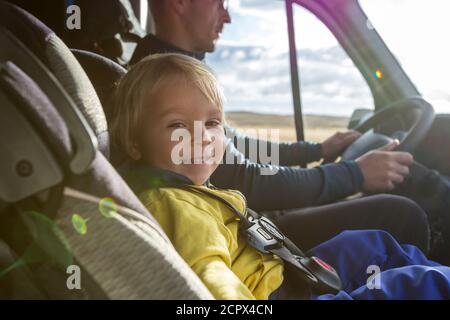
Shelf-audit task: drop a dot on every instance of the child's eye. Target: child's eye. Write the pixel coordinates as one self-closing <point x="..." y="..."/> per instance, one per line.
<point x="177" y="125"/>
<point x="213" y="123"/>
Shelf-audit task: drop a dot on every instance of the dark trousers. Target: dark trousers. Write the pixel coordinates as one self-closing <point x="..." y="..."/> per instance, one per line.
<point x="431" y="191"/>
<point x="399" y="216"/>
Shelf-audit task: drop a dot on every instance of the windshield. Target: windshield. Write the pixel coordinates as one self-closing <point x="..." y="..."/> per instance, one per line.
<point x="416" y="33"/>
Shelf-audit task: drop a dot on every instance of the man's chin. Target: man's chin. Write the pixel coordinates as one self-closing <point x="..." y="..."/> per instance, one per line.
<point x="212" y="47"/>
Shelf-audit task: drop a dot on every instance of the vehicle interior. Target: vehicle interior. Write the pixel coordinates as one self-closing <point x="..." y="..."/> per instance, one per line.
<point x="58" y="170"/>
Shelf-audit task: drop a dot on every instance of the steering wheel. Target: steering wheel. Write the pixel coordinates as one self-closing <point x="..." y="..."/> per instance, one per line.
<point x="417" y="109"/>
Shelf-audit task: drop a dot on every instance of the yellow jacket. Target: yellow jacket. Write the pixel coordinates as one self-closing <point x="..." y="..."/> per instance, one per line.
<point x="205" y="233"/>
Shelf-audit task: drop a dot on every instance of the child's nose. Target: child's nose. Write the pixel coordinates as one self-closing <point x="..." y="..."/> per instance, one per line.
<point x="202" y="137"/>
<point x="206" y="136"/>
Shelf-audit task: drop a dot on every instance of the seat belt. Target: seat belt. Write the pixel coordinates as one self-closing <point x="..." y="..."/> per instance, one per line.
<point x="263" y="235"/>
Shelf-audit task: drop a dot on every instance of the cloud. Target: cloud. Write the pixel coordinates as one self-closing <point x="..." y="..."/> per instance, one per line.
<point x="256" y="79"/>
<point x="260" y="5"/>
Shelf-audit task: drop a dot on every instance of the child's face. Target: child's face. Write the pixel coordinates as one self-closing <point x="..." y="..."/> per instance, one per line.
<point x="181" y="106"/>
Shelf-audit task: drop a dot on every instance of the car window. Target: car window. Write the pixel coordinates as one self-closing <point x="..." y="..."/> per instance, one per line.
<point x="416" y="32"/>
<point x="331" y="85"/>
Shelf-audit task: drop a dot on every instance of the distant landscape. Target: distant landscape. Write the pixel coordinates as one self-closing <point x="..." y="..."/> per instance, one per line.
<point x="317" y="128"/>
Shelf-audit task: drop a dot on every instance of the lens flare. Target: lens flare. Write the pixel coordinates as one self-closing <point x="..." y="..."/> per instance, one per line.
<point x="107" y="207"/>
<point x="378" y="74"/>
<point x="49" y="243"/>
<point x="79" y="224"/>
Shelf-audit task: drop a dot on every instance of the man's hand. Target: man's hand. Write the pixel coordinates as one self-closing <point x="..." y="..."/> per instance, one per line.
<point x="384" y="168"/>
<point x="337" y="143"/>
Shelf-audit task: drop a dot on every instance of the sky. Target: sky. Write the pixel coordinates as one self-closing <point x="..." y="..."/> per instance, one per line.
<point x="251" y="59"/>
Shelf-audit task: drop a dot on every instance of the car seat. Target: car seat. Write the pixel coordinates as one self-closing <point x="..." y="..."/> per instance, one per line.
<point x="60" y="192"/>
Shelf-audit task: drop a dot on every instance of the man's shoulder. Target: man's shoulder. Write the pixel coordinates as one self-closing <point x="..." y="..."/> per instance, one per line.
<point x="147" y="41"/>
<point x="145" y="46"/>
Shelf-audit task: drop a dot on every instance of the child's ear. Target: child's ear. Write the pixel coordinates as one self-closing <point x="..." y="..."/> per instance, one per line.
<point x="135" y="154"/>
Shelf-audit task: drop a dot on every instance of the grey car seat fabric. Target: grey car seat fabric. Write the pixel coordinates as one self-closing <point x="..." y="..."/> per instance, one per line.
<point x="120" y="245"/>
<point x="105" y="74"/>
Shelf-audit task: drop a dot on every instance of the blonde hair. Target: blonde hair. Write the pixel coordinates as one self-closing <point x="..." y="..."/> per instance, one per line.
<point x="144" y="80"/>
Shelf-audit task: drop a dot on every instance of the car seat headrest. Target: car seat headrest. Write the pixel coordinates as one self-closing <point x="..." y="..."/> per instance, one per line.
<point x="47" y="141"/>
<point x="51" y="51"/>
<point x="104" y="74"/>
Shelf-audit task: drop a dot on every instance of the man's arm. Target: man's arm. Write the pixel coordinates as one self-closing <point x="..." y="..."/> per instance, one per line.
<point x="290" y="153"/>
<point x="290" y="187"/>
